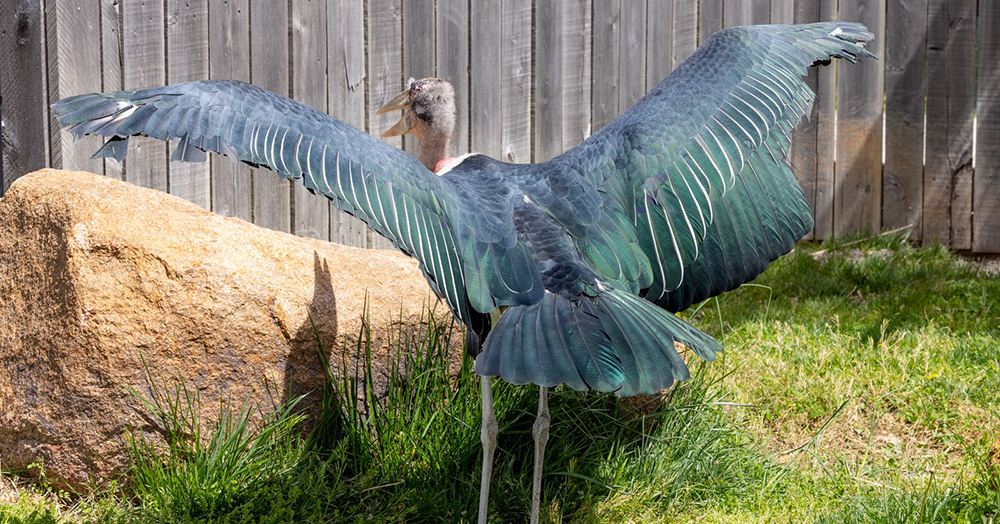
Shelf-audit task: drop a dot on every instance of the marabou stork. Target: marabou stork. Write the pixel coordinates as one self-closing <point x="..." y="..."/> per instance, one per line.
<point x="566" y="271"/>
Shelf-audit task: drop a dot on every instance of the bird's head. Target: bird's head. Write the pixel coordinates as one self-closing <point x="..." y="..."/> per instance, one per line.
<point x="428" y="113"/>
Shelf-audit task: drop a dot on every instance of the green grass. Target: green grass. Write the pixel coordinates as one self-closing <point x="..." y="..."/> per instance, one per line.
<point x="858" y="385"/>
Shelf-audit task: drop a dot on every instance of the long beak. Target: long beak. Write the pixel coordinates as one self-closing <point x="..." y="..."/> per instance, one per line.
<point x="400" y="101"/>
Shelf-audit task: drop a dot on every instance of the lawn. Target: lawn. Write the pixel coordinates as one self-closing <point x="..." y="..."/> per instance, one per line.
<point x="859" y="384"/>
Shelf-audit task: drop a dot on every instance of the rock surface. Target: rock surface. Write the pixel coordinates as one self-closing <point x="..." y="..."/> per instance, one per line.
<point x="97" y="275"/>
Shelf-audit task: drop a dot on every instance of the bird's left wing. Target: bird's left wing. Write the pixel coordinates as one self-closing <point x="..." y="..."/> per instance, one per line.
<point x="380" y="184"/>
<point x="697" y="166"/>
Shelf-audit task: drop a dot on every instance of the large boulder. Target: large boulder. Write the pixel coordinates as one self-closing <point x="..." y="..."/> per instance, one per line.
<point x="100" y="279"/>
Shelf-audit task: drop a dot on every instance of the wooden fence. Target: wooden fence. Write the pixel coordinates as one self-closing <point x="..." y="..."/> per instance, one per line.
<point x="534" y="77"/>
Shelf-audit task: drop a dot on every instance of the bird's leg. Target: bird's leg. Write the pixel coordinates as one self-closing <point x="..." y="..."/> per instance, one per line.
<point x="540" y="430"/>
<point x="489" y="437"/>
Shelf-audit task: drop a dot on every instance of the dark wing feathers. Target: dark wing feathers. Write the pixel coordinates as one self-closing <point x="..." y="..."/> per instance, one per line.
<point x="685" y="195"/>
<point x="718" y="124"/>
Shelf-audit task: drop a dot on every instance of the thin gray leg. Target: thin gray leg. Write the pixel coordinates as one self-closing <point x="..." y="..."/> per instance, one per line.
<point x="540" y="430"/>
<point x="489" y="437"/>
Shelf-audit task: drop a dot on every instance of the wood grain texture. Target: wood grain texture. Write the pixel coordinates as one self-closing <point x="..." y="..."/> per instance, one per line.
<point x="111" y="66"/>
<point x="710" y="18"/>
<point x="950" y="103"/>
<point x="418" y="49"/>
<point x="452" y="43"/>
<point x="515" y="80"/>
<point x="782" y="11"/>
<point x="346" y="87"/>
<point x="905" y="81"/>
<point x="986" y="198"/>
<point x="826" y="134"/>
<point x="77" y="34"/>
<point x="187" y="60"/>
<point x="229" y="57"/>
<point x="632" y="51"/>
<point x="802" y="154"/>
<point x="858" y="178"/>
<point x="485" y="100"/>
<point x="548" y="109"/>
<point x="685" y="32"/>
<point x="385" y="72"/>
<point x="607" y="30"/>
<point x="269" y="70"/>
<point x="577" y="29"/>
<point x="659" y="41"/>
<point x="308" y="75"/>
<point x="144" y="62"/>
<point x="25" y="114"/>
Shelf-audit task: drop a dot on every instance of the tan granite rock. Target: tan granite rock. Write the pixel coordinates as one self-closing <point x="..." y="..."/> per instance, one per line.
<point x="97" y="274"/>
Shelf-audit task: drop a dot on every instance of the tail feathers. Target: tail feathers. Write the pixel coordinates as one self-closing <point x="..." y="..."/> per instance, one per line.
<point x="612" y="342"/>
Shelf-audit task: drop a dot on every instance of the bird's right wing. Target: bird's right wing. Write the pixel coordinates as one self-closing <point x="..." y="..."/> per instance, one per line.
<point x="698" y="164"/>
<point x="380" y="184"/>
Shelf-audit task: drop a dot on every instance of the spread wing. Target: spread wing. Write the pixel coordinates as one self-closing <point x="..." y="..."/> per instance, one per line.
<point x="419" y="212"/>
<point x="697" y="167"/>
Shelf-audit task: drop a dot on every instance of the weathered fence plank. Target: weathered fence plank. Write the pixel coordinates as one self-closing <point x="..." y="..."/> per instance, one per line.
<point x="346" y="86"/>
<point x="858" y="194"/>
<point x="143" y="66"/>
<point x="782" y="11"/>
<point x="710" y="16"/>
<point x="22" y="70"/>
<point x="607" y="27"/>
<point x="685" y="32"/>
<point x="905" y="55"/>
<point x="111" y="66"/>
<point x="802" y="154"/>
<point x="76" y="37"/>
<point x="308" y="73"/>
<point x="986" y="201"/>
<point x="826" y="134"/>
<point x="547" y="140"/>
<point x="229" y="58"/>
<point x="632" y="79"/>
<point x="453" y="62"/>
<point x="515" y="80"/>
<point x="950" y="91"/>
<point x="576" y="80"/>
<point x="659" y="41"/>
<point x="385" y="72"/>
<point x="485" y="100"/>
<point x="418" y="49"/>
<point x="187" y="60"/>
<point x="269" y="70"/>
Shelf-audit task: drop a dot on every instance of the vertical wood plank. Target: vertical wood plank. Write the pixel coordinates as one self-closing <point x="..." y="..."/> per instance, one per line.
<point x="905" y="78"/>
<point x="858" y="197"/>
<point x="453" y="62"/>
<point x="269" y="70"/>
<point x="710" y="18"/>
<point x="802" y="154"/>
<point x="632" y="79"/>
<point x="308" y="74"/>
<point x="659" y="41"/>
<point x="736" y="12"/>
<point x="826" y="134"/>
<point x="111" y="67"/>
<point x="782" y="11"/>
<point x="485" y="66"/>
<point x="418" y="49"/>
<point x="22" y="68"/>
<point x="760" y="12"/>
<point x="76" y="51"/>
<point x="576" y="62"/>
<point x="187" y="60"/>
<point x="346" y="59"/>
<point x="986" y="203"/>
<point x="607" y="27"/>
<point x="229" y="58"/>
<point x="515" y="25"/>
<point x="685" y="32"/>
<point x="548" y="52"/>
<point x="385" y="72"/>
<point x="144" y="66"/>
<point x="948" y="171"/>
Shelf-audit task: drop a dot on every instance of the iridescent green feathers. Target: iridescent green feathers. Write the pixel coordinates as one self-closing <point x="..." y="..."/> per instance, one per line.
<point x="685" y="195"/>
